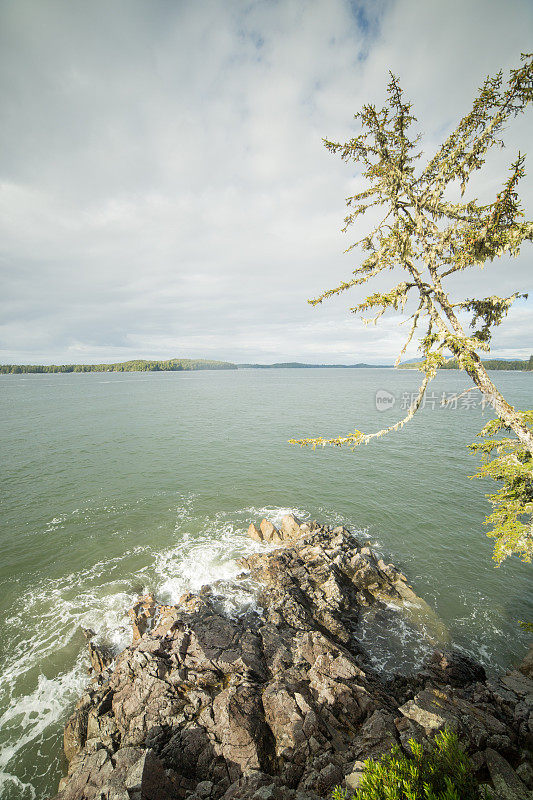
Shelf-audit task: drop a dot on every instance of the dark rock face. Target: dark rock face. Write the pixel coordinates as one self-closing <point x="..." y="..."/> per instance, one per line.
<point x="527" y="664"/>
<point x="453" y="669"/>
<point x="279" y="703"/>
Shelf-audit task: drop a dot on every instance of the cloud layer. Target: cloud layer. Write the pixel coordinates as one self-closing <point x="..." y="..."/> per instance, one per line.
<point x="164" y="190"/>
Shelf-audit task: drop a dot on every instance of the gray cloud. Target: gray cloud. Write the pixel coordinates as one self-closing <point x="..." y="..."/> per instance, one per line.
<point x="164" y="190"/>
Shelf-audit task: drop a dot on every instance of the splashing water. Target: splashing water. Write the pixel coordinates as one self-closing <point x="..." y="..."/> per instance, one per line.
<point x="111" y="491"/>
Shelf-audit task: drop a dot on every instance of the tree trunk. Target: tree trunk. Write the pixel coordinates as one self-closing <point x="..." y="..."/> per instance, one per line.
<point x="505" y="412"/>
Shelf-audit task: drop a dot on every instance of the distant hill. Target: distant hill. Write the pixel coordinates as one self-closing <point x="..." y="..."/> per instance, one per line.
<point x="298" y="365"/>
<point x="171" y="365"/>
<point x="492" y="363"/>
<point x="184" y="364"/>
<point x="140" y="365"/>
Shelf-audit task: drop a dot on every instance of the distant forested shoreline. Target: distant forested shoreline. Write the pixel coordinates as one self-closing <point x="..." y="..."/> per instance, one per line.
<point x="492" y="363"/>
<point x="172" y="365"/>
<point x="300" y="365"/>
<point x="183" y="364"/>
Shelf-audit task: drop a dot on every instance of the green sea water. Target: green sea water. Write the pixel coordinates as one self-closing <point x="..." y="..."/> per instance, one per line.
<point x="115" y="484"/>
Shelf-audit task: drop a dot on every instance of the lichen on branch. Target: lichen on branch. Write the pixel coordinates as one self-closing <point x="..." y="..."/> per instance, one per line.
<point x="428" y="238"/>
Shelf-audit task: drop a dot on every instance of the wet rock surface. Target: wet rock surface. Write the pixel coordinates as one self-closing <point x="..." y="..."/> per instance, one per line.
<point x="282" y="702"/>
<point x="100" y="657"/>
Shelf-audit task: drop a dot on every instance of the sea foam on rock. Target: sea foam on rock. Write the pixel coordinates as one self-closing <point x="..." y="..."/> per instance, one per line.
<point x="281" y="702"/>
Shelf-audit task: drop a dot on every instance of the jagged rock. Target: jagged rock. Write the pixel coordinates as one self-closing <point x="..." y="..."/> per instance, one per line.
<point x="376" y="736"/>
<point x="505" y="780"/>
<point x="100" y="656"/>
<point x="525" y="773"/>
<point x="519" y="683"/>
<point x="453" y="668"/>
<point x="290" y="525"/>
<point x="142" y="614"/>
<point x="409" y="730"/>
<point x="269" y="532"/>
<point x="204" y="788"/>
<point x="435" y="708"/>
<point x="526" y="666"/>
<point x="151" y="780"/>
<point x="75" y="733"/>
<point x="279" y="703"/>
<point x="488" y="793"/>
<point x="478" y="761"/>
<point x="255" y="533"/>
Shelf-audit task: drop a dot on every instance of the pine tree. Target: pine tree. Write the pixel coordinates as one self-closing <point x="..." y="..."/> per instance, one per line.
<point x="429" y="237"/>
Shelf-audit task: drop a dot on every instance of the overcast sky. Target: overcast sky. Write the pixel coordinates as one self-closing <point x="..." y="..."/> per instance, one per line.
<point x="164" y="189"/>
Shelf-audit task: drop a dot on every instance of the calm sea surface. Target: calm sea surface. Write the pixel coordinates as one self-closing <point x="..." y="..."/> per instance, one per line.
<point x="116" y="484"/>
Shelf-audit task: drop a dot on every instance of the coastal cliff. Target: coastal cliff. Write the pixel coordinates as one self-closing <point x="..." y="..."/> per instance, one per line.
<point x="282" y="701"/>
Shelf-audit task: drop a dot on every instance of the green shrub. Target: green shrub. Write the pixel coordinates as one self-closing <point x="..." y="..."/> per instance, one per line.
<point x="443" y="772"/>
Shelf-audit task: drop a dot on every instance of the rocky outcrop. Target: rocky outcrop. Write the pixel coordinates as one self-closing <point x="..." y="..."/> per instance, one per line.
<point x="142" y="615"/>
<point x="527" y="664"/>
<point x="281" y="702"/>
<point x="100" y="656"/>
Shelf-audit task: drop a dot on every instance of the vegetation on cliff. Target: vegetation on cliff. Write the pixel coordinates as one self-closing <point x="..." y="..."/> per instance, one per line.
<point x="442" y="771"/>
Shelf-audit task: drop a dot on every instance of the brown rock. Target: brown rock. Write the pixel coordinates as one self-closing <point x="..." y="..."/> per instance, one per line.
<point x="141" y="615"/>
<point x="454" y="668"/>
<point x="75" y="733"/>
<point x="269" y="532"/>
<point x="284" y="716"/>
<point x="290" y="526"/>
<point x="276" y="703"/>
<point x="255" y="533"/>
<point x="434" y="709"/>
<point x="246" y="740"/>
<point x="150" y="778"/>
<point x="100" y="657"/>
<point x="526" y="666"/>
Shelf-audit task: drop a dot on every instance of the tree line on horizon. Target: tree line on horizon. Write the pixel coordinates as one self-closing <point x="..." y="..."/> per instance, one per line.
<point x="497" y="363"/>
<point x="171" y="365"/>
<point x="183" y="364"/>
<point x="492" y="363"/>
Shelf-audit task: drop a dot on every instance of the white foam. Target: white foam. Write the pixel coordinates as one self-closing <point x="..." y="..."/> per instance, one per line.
<point x="35" y="693"/>
<point x="10" y="783"/>
<point x="275" y="513"/>
<point x="480" y="617"/>
<point x="211" y="558"/>
<point x="31" y="714"/>
<point x="98" y="597"/>
<point x="390" y="642"/>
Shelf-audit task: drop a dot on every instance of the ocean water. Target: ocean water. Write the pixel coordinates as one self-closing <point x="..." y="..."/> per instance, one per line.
<point x="118" y="484"/>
